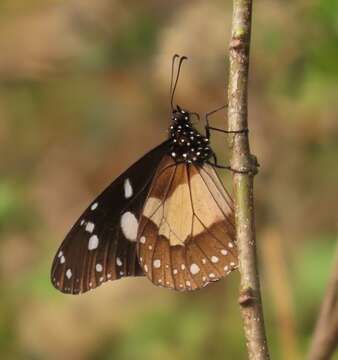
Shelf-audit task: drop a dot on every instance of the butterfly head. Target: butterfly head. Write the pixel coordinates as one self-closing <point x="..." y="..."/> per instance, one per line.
<point x="180" y="116"/>
<point x="186" y="143"/>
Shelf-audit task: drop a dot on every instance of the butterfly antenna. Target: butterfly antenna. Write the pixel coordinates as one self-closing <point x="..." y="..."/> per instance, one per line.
<point x="173" y="89"/>
<point x="172" y="73"/>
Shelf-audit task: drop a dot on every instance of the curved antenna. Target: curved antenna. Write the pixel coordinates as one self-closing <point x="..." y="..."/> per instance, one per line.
<point x="172" y="72"/>
<point x="176" y="80"/>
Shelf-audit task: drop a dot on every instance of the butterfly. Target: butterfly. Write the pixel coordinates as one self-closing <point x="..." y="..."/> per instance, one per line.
<point x="167" y="217"/>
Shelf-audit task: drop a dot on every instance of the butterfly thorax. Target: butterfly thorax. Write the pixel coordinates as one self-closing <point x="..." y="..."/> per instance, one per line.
<point x="187" y="144"/>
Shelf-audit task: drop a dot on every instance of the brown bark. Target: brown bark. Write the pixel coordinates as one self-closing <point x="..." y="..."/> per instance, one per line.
<point x="244" y="165"/>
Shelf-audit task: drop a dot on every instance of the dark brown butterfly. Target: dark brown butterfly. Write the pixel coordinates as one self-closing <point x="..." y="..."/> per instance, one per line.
<point x="167" y="217"/>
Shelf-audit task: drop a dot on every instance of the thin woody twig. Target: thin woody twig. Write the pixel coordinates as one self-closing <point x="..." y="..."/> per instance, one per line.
<point x="325" y="338"/>
<point x="245" y="167"/>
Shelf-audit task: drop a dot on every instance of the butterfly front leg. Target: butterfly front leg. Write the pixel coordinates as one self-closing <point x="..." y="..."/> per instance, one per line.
<point x="208" y="127"/>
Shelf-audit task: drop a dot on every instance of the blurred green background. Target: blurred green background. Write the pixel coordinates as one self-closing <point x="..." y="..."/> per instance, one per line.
<point x="84" y="92"/>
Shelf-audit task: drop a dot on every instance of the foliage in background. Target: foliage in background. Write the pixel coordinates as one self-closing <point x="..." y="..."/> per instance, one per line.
<point x="84" y="91"/>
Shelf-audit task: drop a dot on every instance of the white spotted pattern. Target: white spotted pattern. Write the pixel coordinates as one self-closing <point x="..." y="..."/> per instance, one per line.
<point x="98" y="267"/>
<point x="69" y="274"/>
<point x="194" y="269"/>
<point x="157" y="263"/>
<point x="129" y="226"/>
<point x="142" y="240"/>
<point x="93" y="242"/>
<point x="214" y="259"/>
<point x="62" y="260"/>
<point x="224" y="252"/>
<point x="94" y="206"/>
<point x="90" y="227"/>
<point x="118" y="261"/>
<point x="128" y="189"/>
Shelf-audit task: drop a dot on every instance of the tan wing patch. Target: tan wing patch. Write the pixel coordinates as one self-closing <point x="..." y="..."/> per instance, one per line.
<point x="166" y="210"/>
<point x="187" y="228"/>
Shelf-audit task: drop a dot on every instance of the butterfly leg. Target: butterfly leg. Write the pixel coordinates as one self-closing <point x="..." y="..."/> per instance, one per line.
<point x="208" y="127"/>
<point x="251" y="170"/>
<point x="215" y="163"/>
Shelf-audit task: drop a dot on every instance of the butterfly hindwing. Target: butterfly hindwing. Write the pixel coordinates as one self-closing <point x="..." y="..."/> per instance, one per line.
<point x="101" y="245"/>
<point x="187" y="230"/>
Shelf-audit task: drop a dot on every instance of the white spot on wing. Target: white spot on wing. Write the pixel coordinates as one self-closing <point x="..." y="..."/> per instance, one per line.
<point x="128" y="190"/>
<point x="62" y="260"/>
<point x="94" y="206"/>
<point x="118" y="261"/>
<point x="129" y="226"/>
<point x="93" y="242"/>
<point x="224" y="252"/>
<point x="69" y="274"/>
<point x="60" y="254"/>
<point x="90" y="227"/>
<point x="142" y="240"/>
<point x="194" y="269"/>
<point x="214" y="259"/>
<point x="157" y="263"/>
<point x="98" y="267"/>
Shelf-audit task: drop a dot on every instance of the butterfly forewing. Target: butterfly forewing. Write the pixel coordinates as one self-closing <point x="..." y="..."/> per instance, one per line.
<point x="101" y="245"/>
<point x="187" y="232"/>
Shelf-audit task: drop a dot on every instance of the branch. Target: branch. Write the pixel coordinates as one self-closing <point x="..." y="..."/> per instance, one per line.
<point x="325" y="338"/>
<point x="244" y="165"/>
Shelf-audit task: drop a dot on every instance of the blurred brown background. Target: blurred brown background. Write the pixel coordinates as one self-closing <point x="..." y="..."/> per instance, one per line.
<point x="84" y="92"/>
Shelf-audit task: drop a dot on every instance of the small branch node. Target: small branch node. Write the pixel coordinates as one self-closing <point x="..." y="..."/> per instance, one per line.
<point x="238" y="42"/>
<point x="247" y="167"/>
<point x="247" y="297"/>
